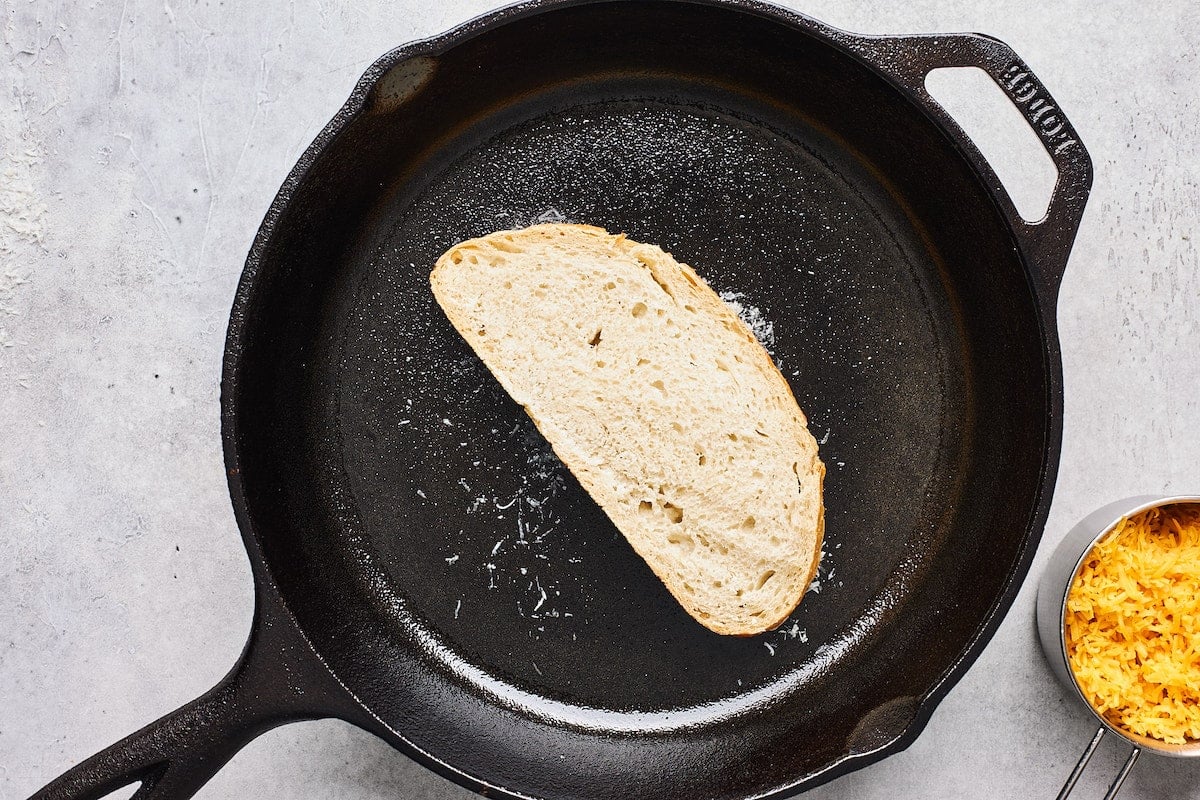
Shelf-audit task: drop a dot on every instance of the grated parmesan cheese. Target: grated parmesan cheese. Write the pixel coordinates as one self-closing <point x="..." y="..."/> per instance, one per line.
<point x="1133" y="624"/>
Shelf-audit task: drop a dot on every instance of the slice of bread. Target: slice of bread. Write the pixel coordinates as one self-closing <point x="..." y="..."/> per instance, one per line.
<point x="662" y="403"/>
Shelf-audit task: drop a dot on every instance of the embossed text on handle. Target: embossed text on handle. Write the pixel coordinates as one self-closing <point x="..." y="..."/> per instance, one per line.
<point x="1031" y="98"/>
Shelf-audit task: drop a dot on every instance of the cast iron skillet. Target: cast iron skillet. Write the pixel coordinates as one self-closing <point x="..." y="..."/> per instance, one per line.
<point x="425" y="567"/>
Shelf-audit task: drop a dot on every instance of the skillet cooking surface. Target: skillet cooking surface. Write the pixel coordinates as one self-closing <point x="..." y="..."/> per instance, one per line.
<point x="473" y="517"/>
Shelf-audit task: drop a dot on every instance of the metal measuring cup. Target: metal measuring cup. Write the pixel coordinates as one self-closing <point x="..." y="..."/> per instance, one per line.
<point x="1053" y="589"/>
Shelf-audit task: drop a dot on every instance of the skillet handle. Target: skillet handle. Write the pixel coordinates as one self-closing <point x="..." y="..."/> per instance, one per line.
<point x="907" y="60"/>
<point x="276" y="680"/>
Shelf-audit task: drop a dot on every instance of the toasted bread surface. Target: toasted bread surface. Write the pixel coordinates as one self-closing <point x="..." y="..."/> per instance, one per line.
<point x="661" y="402"/>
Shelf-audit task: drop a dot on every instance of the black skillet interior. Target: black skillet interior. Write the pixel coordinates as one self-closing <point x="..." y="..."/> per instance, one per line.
<point x="452" y="572"/>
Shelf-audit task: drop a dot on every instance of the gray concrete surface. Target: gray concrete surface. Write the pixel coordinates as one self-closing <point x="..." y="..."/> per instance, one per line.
<point x="142" y="142"/>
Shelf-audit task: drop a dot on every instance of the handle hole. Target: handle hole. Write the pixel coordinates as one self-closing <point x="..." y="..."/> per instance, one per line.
<point x="1014" y="151"/>
<point x="125" y="792"/>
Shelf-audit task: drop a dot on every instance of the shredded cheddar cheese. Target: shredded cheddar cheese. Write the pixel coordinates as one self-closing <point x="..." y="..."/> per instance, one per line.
<point x="1133" y="624"/>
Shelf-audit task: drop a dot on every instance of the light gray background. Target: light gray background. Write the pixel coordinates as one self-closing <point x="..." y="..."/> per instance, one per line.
<point x="143" y="142"/>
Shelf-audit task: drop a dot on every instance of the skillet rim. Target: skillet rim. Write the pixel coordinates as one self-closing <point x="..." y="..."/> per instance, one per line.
<point x="249" y="287"/>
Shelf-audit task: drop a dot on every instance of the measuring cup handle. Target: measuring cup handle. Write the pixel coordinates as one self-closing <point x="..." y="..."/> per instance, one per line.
<point x="1087" y="756"/>
<point x="1123" y="774"/>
